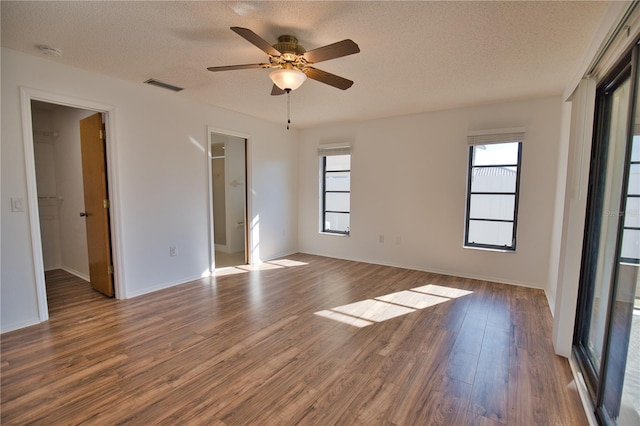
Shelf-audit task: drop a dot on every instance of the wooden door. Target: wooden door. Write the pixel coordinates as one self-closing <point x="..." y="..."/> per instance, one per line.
<point x="96" y="203"/>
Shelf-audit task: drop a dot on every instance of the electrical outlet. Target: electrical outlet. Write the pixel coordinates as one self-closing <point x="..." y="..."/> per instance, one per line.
<point x="398" y="240"/>
<point x="172" y="251"/>
<point x="381" y="238"/>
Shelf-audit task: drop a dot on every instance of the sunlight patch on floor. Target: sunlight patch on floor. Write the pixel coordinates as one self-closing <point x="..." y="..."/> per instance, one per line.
<point x="367" y="312"/>
<point x="287" y="262"/>
<point x="260" y="267"/>
<point x="356" y="322"/>
<point x="412" y="299"/>
<point x="231" y="270"/>
<point x="438" y="290"/>
<point x="373" y="310"/>
<point x="264" y="266"/>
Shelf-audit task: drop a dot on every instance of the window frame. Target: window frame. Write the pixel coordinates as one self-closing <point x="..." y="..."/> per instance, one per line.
<point x="324" y="211"/>
<point x="515" y="194"/>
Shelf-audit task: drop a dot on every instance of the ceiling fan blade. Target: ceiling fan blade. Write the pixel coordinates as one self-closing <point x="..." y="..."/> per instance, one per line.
<point x="238" y="67"/>
<point x="331" y="51"/>
<point x="275" y="91"/>
<point x="327" y="78"/>
<point x="256" y="40"/>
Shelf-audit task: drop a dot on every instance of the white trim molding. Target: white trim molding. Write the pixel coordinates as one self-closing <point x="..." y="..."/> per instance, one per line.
<point x="27" y="95"/>
<point x="252" y="255"/>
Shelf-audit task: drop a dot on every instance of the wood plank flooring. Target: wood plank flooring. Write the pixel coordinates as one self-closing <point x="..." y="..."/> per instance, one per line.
<point x="303" y="340"/>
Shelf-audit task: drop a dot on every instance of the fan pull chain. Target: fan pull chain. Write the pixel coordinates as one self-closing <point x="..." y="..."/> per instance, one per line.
<point x="288" y="108"/>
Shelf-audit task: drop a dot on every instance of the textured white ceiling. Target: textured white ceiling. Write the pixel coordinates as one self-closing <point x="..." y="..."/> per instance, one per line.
<point x="415" y="56"/>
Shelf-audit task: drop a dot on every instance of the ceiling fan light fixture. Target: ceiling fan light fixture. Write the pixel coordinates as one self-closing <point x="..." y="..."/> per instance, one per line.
<point x="288" y="78"/>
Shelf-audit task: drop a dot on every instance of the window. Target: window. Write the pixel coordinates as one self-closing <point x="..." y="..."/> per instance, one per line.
<point x="492" y="190"/>
<point x="630" y="252"/>
<point x="336" y="189"/>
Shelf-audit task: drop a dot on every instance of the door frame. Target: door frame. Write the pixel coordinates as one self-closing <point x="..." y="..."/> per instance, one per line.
<point x="248" y="243"/>
<point x="26" y="96"/>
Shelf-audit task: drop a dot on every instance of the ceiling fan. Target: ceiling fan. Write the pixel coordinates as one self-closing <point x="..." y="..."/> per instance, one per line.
<point x="292" y="63"/>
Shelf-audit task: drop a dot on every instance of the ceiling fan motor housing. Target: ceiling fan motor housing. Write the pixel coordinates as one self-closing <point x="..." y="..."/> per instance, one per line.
<point x="289" y="47"/>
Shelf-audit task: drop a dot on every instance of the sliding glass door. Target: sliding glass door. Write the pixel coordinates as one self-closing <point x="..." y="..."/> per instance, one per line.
<point x="609" y="272"/>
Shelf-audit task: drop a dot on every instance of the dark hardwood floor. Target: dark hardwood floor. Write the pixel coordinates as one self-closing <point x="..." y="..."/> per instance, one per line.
<point x="305" y="340"/>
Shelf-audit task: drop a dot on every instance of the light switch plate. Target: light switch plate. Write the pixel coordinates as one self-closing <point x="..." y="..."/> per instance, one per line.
<point x="17" y="204"/>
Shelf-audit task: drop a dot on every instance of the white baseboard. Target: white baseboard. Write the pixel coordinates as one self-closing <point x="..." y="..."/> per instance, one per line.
<point x="22" y="324"/>
<point x="276" y="256"/>
<point x="52" y="268"/>
<point x="433" y="271"/>
<point x="223" y="248"/>
<point x="147" y="290"/>
<point x="76" y="273"/>
<point x="583" y="392"/>
<point x="551" y="301"/>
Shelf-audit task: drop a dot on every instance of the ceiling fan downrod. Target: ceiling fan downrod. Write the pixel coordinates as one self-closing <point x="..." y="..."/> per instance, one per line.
<point x="288" y="107"/>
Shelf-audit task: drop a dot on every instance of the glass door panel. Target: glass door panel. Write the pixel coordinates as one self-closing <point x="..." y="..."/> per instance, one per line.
<point x="621" y="391"/>
<point x="609" y="186"/>
<point x="611" y="197"/>
<point x="607" y="333"/>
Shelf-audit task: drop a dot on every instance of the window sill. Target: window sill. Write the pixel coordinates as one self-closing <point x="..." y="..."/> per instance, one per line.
<point x="489" y="249"/>
<point x="334" y="234"/>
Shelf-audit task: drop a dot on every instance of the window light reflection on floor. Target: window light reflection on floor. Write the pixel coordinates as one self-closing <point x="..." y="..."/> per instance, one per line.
<point x="367" y="312"/>
<point x="264" y="266"/>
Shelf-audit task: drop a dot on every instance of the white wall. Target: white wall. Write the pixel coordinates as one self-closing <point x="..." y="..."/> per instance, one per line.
<point x="160" y="181"/>
<point x="218" y="189"/>
<point x="558" y="214"/>
<point x="569" y="250"/>
<point x="408" y="184"/>
<point x="44" y="154"/>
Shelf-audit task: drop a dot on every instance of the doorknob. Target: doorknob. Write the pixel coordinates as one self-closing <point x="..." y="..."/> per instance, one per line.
<point x="84" y="214"/>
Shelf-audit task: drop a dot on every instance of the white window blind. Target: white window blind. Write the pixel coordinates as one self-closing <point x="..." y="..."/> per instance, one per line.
<point x="486" y="137"/>
<point x="334" y="149"/>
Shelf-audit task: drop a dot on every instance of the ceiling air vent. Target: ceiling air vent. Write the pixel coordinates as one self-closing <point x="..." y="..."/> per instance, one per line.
<point x="154" y="82"/>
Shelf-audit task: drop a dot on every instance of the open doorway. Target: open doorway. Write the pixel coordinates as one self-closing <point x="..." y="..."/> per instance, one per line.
<point x="228" y="190"/>
<point x="65" y="174"/>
